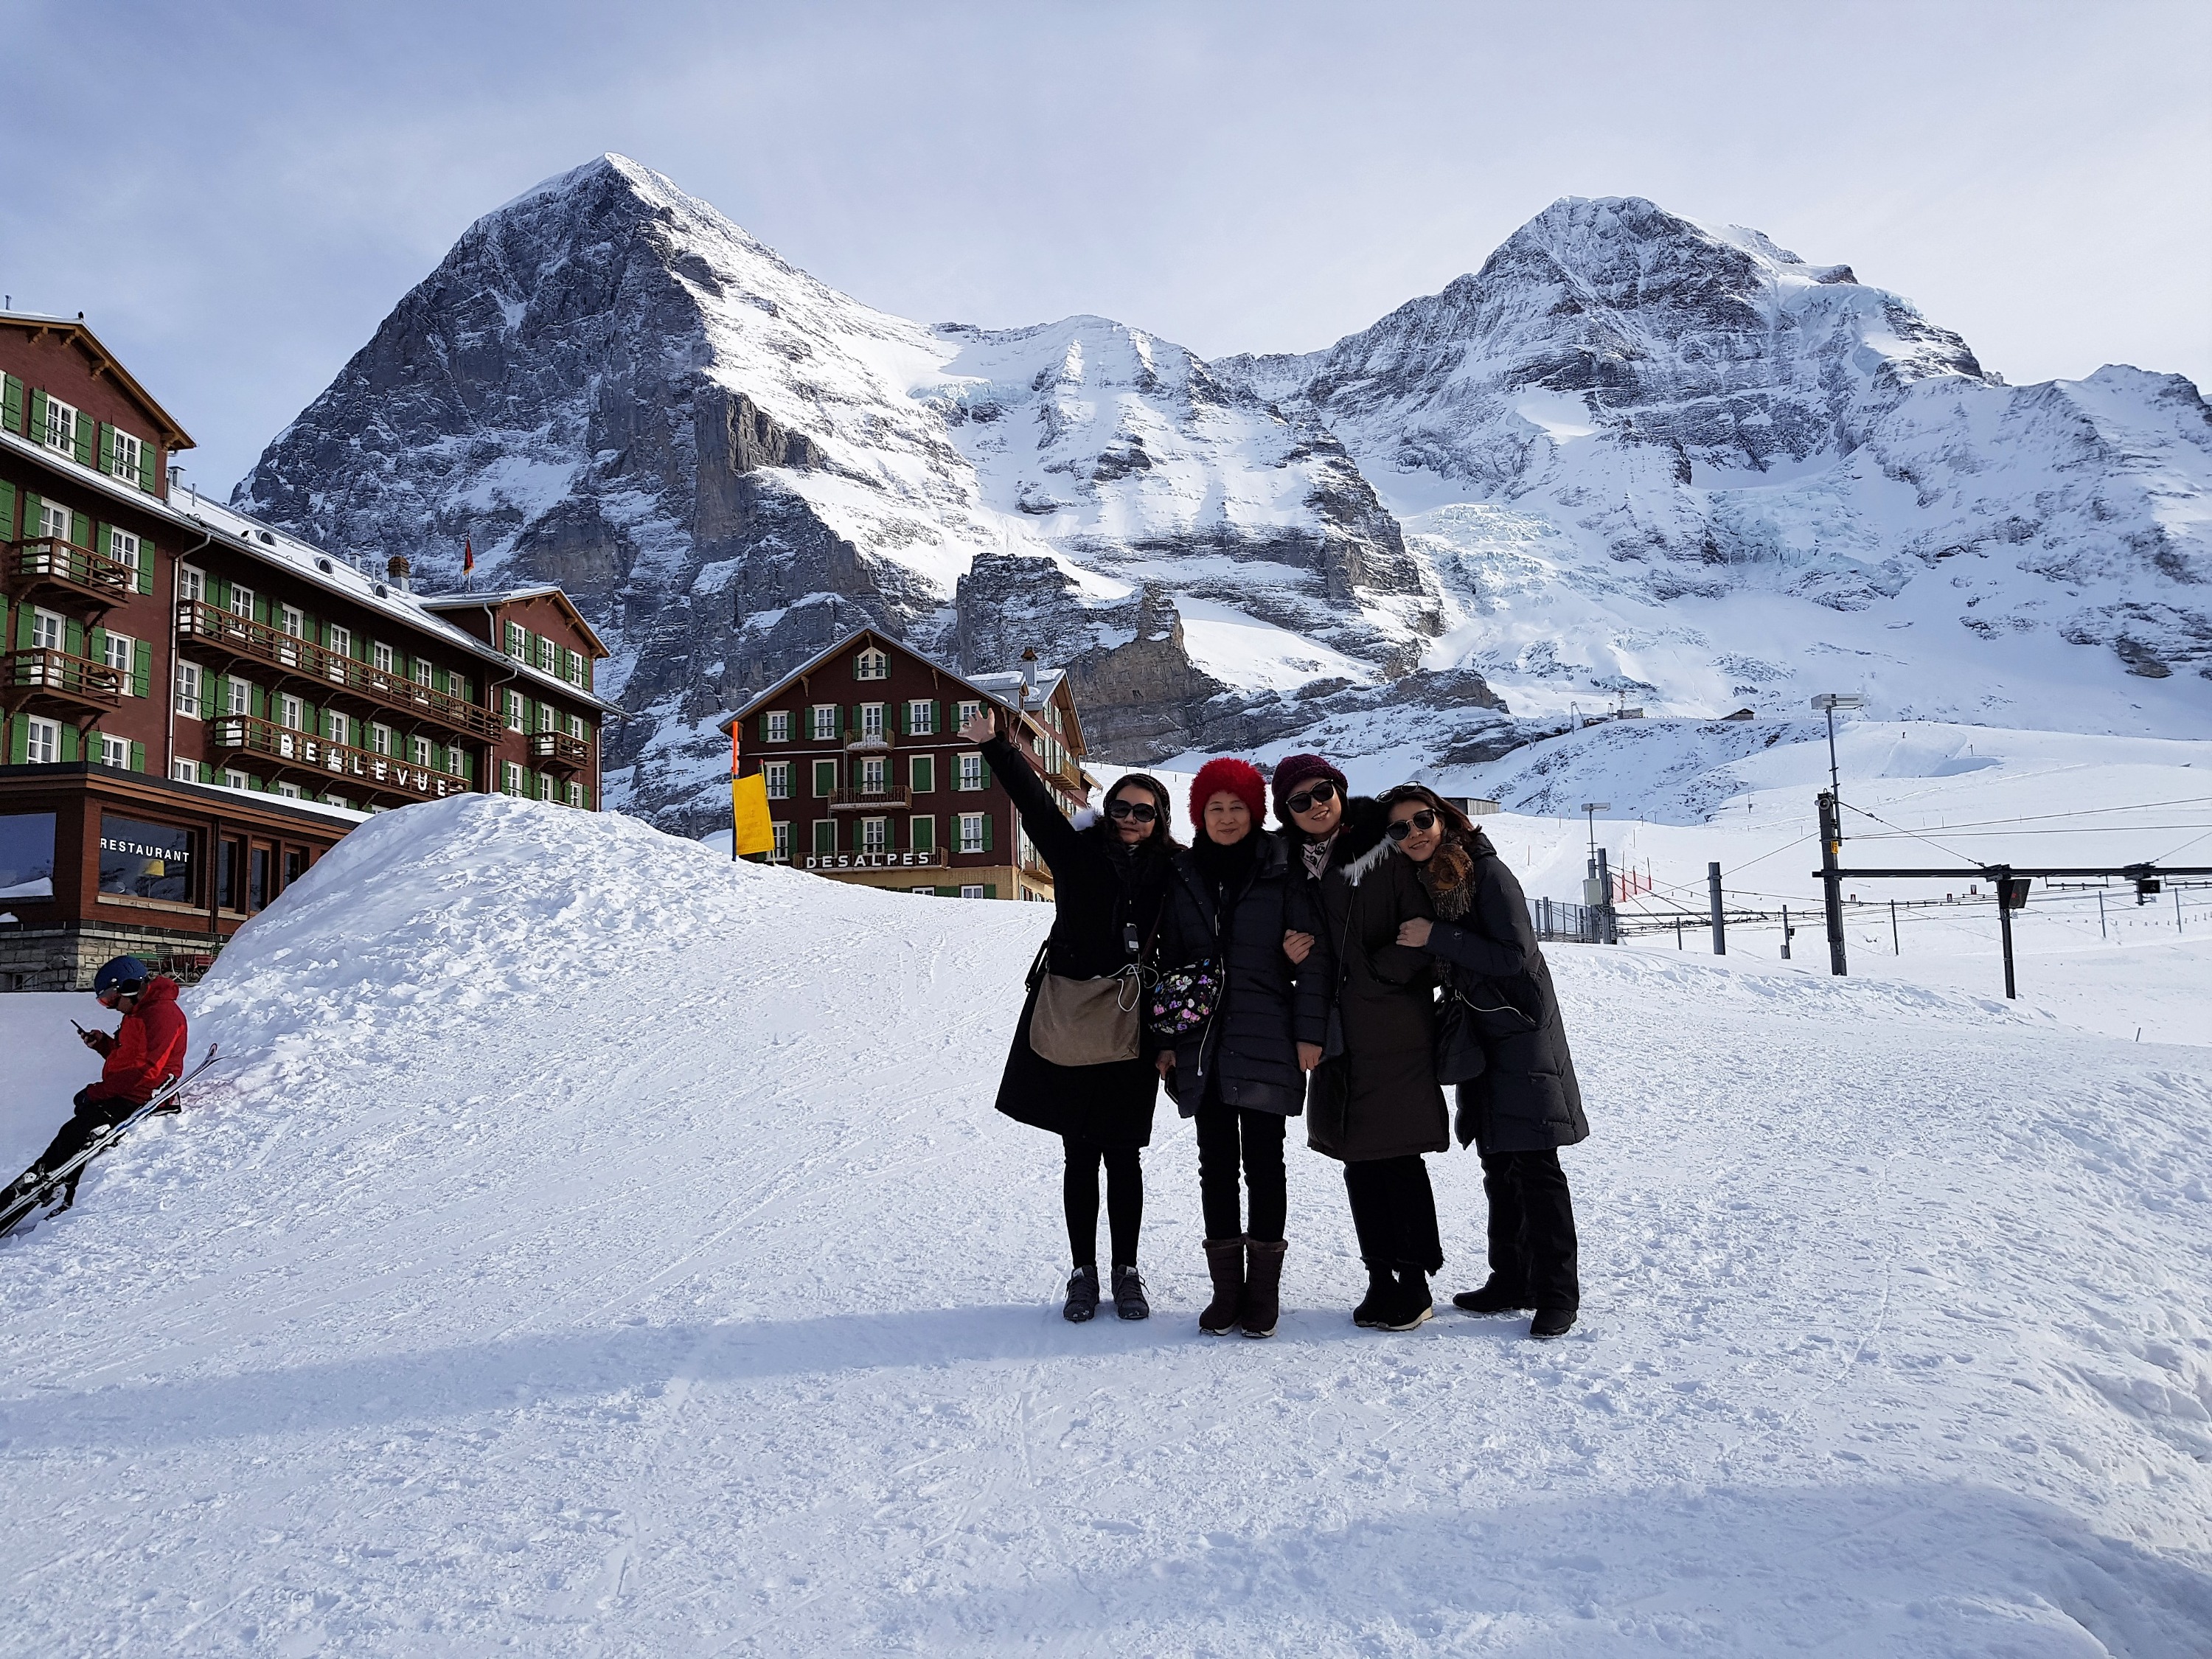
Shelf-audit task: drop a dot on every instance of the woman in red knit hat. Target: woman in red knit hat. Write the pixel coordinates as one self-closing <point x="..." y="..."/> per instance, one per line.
<point x="1238" y="1024"/>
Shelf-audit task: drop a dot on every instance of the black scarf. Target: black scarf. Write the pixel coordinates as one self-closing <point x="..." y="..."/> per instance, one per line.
<point x="1224" y="869"/>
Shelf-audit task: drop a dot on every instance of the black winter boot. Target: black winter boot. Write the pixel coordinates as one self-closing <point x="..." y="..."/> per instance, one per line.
<point x="1550" y="1322"/>
<point x="1407" y="1303"/>
<point x="1263" y="1287"/>
<point x="1225" y="1260"/>
<point x="1129" y="1294"/>
<point x="1082" y="1296"/>
<point x="1496" y="1297"/>
<point x="1380" y="1285"/>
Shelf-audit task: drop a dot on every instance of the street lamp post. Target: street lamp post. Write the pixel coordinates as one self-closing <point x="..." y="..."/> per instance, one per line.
<point x="1832" y="829"/>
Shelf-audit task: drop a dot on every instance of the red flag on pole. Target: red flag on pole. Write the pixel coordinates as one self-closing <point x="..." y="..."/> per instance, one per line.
<point x="468" y="557"/>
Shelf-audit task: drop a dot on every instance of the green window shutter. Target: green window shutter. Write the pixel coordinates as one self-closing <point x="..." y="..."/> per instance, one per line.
<point x="142" y="668"/>
<point x="986" y="775"/>
<point x="906" y="718"/>
<point x="218" y="594"/>
<point x="36" y="432"/>
<point x="207" y="773"/>
<point x="32" y="508"/>
<point x="73" y="638"/>
<point x="921" y="834"/>
<point x="137" y="756"/>
<point x="102" y="539"/>
<point x="80" y="530"/>
<point x="86" y="439"/>
<point x="11" y="403"/>
<point x="22" y="627"/>
<point x="145" y="566"/>
<point x="763" y="725"/>
<point x="68" y="743"/>
<point x="937" y="719"/>
<point x="106" y="448"/>
<point x="19" y="741"/>
<point x="924" y="774"/>
<point x="7" y="511"/>
<point x="987" y="830"/>
<point x="990" y="890"/>
<point x="96" y="643"/>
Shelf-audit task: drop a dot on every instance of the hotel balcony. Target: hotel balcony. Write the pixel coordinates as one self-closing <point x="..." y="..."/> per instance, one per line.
<point x="73" y="578"/>
<point x="877" y="741"/>
<point x="888" y="797"/>
<point x="341" y="769"/>
<point x="559" y="751"/>
<point x="75" y="689"/>
<point x="207" y="632"/>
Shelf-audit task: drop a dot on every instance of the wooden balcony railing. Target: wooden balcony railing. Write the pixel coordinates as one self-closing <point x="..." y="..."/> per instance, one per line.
<point x="559" y="750"/>
<point x="56" y="679"/>
<point x="369" y="773"/>
<point x="48" y="565"/>
<point x="890" y="798"/>
<point x="201" y="625"/>
<point x="886" y="739"/>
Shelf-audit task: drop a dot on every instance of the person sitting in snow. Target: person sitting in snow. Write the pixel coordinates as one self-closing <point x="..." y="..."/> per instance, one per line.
<point x="146" y="1052"/>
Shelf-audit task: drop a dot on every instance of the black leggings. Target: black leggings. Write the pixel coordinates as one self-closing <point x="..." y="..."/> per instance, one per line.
<point x="1227" y="1135"/>
<point x="1125" y="1200"/>
<point x="87" y="1119"/>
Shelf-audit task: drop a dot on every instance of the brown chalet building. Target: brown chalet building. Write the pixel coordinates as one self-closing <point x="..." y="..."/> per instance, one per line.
<point x="868" y="780"/>
<point x="195" y="706"/>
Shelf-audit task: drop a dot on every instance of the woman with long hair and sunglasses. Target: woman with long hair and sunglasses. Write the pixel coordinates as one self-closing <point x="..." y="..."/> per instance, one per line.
<point x="1526" y="1104"/>
<point x="1375" y="1105"/>
<point x="1239" y="1073"/>
<point x="1109" y="873"/>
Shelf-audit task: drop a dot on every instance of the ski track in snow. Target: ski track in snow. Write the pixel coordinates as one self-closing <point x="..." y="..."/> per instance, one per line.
<point x="597" y="1248"/>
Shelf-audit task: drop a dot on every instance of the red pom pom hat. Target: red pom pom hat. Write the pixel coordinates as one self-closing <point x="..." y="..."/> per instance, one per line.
<point x="1239" y="778"/>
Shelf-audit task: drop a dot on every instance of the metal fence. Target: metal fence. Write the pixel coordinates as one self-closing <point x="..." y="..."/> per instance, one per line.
<point x="1578" y="924"/>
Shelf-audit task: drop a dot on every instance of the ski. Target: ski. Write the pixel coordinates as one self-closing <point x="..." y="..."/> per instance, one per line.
<point x="25" y="1205"/>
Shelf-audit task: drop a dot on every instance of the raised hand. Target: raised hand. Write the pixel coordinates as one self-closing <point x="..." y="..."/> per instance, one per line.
<point x="980" y="726"/>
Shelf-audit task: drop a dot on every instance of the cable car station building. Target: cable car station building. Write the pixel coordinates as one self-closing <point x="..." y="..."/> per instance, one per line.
<point x="195" y="706"/>
<point x="869" y="781"/>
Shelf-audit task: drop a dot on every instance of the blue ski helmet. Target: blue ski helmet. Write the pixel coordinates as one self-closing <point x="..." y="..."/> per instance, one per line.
<point x="121" y="977"/>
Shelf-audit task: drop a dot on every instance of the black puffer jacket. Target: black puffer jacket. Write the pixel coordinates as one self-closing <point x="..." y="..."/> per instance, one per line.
<point x="1103" y="897"/>
<point x="1236" y="912"/>
<point x="1527" y="1099"/>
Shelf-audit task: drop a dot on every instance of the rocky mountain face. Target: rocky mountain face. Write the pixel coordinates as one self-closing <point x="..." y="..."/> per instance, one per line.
<point x="1632" y="457"/>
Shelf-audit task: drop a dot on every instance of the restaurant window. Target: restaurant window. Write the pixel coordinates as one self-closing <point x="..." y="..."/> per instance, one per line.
<point x="230" y="875"/>
<point x="142" y="859"/>
<point x="295" y="864"/>
<point x="26" y="855"/>
<point x="257" y="882"/>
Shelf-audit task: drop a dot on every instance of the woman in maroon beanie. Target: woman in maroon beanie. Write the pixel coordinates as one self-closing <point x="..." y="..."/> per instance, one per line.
<point x="1238" y="1071"/>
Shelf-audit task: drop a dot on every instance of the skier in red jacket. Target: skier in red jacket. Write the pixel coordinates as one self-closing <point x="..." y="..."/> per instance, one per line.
<point x="146" y="1052"/>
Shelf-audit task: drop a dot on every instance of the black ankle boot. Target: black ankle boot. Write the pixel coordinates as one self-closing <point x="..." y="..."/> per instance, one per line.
<point x="1225" y="1261"/>
<point x="1129" y="1294"/>
<point x="1499" y="1296"/>
<point x="1082" y="1296"/>
<point x="1380" y="1285"/>
<point x="1550" y="1322"/>
<point x="1407" y="1304"/>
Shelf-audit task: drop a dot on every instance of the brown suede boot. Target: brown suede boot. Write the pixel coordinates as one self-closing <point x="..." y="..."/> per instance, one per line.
<point x="1225" y="1260"/>
<point x="1263" y="1287"/>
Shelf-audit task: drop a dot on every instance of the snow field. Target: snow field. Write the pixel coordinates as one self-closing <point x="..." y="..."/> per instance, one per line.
<point x="599" y="1247"/>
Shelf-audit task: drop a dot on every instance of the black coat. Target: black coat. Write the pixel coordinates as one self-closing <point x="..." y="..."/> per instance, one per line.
<point x="1246" y="1053"/>
<point x="1099" y="894"/>
<point x="1527" y="1099"/>
<point x="1380" y="1098"/>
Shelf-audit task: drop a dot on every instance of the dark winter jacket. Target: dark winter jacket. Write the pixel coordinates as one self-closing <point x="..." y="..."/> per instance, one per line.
<point x="147" y="1048"/>
<point x="1101" y="892"/>
<point x="1379" y="1099"/>
<point x="1236" y="911"/>
<point x="1527" y="1099"/>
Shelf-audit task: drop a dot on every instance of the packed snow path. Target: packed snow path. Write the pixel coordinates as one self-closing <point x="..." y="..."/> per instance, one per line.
<point x="603" y="1250"/>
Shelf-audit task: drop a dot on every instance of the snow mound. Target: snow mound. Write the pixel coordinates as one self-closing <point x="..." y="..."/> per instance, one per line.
<point x="600" y="1247"/>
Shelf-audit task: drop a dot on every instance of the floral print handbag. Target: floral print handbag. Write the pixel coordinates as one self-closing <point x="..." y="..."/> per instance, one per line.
<point x="1183" y="1000"/>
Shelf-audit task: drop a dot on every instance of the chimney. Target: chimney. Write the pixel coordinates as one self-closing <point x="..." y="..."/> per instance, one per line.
<point x="399" y="570"/>
<point x="1029" y="674"/>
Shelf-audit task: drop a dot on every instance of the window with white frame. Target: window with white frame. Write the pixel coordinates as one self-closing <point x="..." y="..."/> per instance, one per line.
<point x="336" y="726"/>
<point x="456" y="763"/>
<point x="875" y="834"/>
<point x="115" y="752"/>
<point x="971" y="892"/>
<point x="123" y="548"/>
<point x="241" y="600"/>
<point x="379" y="657"/>
<point x="872" y="719"/>
<point x="61" y="426"/>
<point x="778" y="776"/>
<point x="423" y="676"/>
<point x="572" y="667"/>
<point x="289" y="791"/>
<point x="779" y="725"/>
<point x="53" y="521"/>
<point x="188" y="690"/>
<point x="116" y="652"/>
<point x="546" y="785"/>
<point x="192" y="584"/>
<point x="42" y="745"/>
<point x="518" y="643"/>
<point x="294" y="621"/>
<point x="548" y="655"/>
<point x="48" y="630"/>
<point x="238" y="697"/>
<point x="971" y="832"/>
<point x="341" y="640"/>
<point x="970" y="774"/>
<point x="965" y="712"/>
<point x="515" y="711"/>
<point x="233" y="779"/>
<point x="381" y="737"/>
<point x="577" y="728"/>
<point x="124" y="462"/>
<point x="418" y="751"/>
<point x="183" y="771"/>
<point x="781" y="852"/>
<point x="290" y="712"/>
<point x="823" y="722"/>
<point x="575" y="794"/>
<point x="872" y="664"/>
<point x="510" y="777"/>
<point x="921" y="717"/>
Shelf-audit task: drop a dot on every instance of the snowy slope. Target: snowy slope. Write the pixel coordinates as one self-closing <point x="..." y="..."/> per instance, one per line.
<point x="600" y="1248"/>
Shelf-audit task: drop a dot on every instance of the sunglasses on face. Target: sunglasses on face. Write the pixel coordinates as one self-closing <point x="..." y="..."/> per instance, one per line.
<point x="1306" y="799"/>
<point x="1136" y="811"/>
<point x="1424" y="820"/>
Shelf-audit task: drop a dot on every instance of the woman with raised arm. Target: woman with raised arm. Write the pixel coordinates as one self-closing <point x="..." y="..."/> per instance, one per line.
<point x="1526" y="1104"/>
<point x="1237" y="1052"/>
<point x="1109" y="874"/>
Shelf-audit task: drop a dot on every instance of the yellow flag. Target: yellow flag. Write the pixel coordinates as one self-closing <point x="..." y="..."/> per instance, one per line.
<point x="756" y="830"/>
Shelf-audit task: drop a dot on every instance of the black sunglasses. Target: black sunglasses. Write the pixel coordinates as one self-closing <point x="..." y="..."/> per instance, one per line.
<point x="1424" y="820"/>
<point x="1323" y="792"/>
<point x="1137" y="810"/>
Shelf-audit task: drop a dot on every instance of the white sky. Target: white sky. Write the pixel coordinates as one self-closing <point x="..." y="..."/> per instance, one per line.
<point x="236" y="196"/>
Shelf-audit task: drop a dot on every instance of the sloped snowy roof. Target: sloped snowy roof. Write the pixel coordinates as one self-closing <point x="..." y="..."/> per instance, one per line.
<point x="999" y="686"/>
